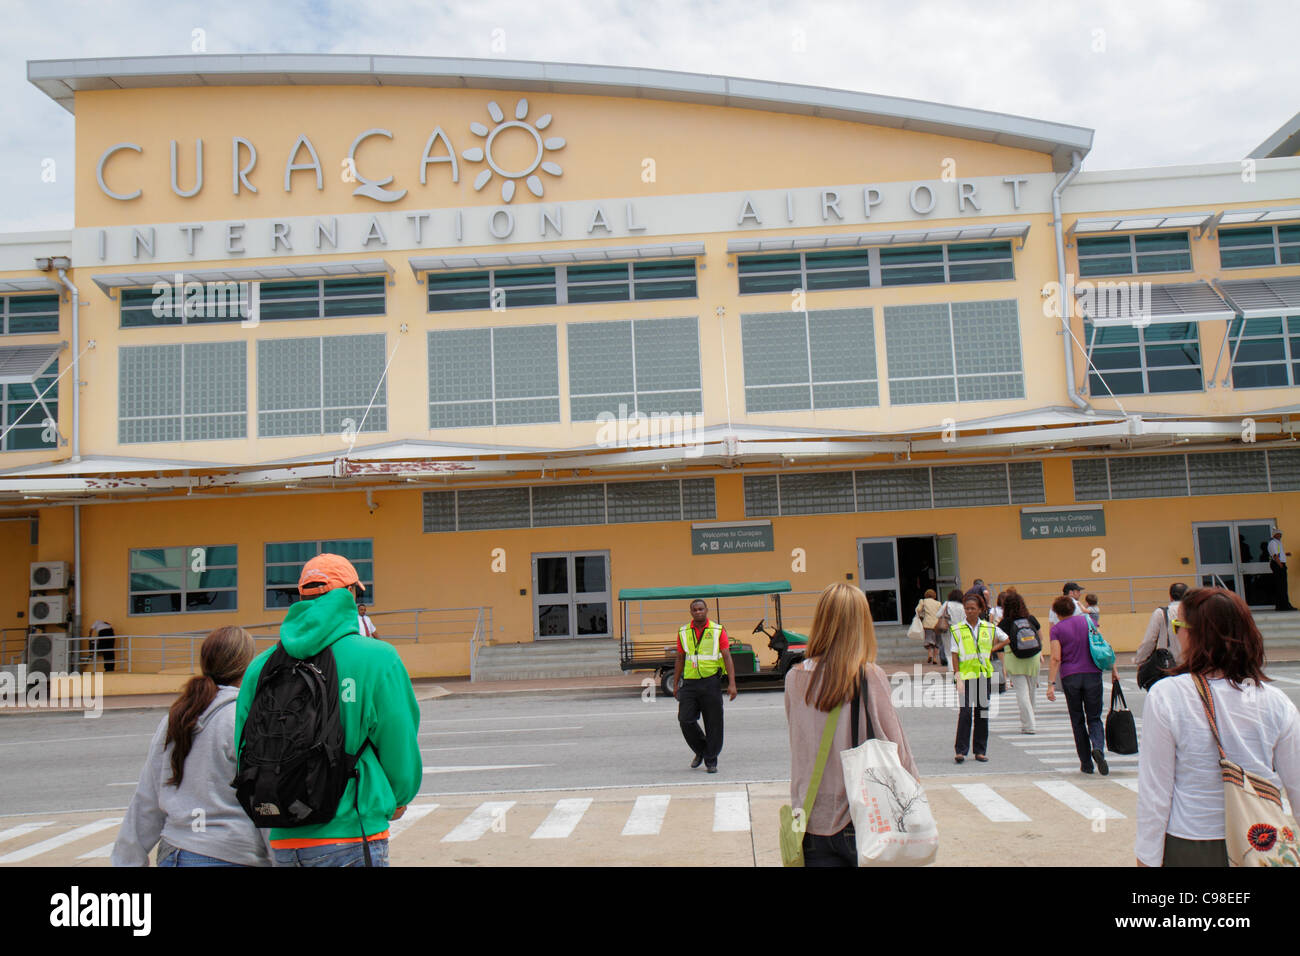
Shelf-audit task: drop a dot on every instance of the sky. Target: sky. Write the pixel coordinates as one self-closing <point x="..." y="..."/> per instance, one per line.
<point x="1162" y="82"/>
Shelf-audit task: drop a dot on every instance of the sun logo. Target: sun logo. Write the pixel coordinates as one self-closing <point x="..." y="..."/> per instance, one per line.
<point x="528" y="173"/>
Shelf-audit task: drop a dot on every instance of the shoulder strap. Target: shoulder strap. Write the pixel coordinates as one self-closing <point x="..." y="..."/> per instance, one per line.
<point x="828" y="735"/>
<point x="1207" y="702"/>
<point x="860" y="695"/>
<point x="1165" y="608"/>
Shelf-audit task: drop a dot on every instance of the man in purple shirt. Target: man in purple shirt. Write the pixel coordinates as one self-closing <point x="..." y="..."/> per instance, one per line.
<point x="1081" y="681"/>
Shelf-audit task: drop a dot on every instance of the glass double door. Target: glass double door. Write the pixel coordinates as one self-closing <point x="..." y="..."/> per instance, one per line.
<point x="1234" y="555"/>
<point x="895" y="573"/>
<point x="571" y="595"/>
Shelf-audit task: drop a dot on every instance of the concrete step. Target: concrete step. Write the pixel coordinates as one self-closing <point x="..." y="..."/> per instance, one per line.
<point x="535" y="660"/>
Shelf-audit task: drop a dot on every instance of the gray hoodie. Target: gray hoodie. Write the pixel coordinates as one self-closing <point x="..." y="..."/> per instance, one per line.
<point x="202" y="814"/>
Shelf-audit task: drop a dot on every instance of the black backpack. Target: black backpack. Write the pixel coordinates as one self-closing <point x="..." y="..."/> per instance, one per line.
<point x="1025" y="641"/>
<point x="293" y="764"/>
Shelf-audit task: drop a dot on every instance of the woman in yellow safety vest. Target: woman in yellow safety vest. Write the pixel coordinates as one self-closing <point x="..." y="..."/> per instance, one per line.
<point x="974" y="643"/>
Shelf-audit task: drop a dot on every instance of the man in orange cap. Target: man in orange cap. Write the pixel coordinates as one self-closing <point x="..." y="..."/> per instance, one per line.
<point x="366" y="689"/>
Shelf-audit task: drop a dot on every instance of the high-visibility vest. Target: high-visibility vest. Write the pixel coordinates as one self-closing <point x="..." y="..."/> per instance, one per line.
<point x="975" y="650"/>
<point x="706" y="659"/>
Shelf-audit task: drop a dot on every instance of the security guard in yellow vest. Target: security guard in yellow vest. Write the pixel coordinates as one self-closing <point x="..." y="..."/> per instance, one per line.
<point x="974" y="642"/>
<point x="702" y="659"/>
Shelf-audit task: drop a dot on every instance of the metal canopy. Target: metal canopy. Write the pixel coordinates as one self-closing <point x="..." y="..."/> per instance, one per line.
<point x="1182" y="220"/>
<point x="1140" y="303"/>
<point x="494" y="260"/>
<point x="1006" y="230"/>
<point x="683" y="592"/>
<point x="291" y="270"/>
<point x="1234" y="217"/>
<point x="29" y="285"/>
<point x="24" y="364"/>
<point x="1257" y="297"/>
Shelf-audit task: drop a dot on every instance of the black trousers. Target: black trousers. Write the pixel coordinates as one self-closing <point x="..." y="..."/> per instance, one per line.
<point x="1083" y="700"/>
<point x="838" y="850"/>
<point x="1281" y="598"/>
<point x="974" y="703"/>
<point x="702" y="696"/>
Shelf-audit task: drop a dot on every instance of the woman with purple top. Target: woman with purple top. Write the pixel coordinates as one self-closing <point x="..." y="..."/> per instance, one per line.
<point x="1081" y="680"/>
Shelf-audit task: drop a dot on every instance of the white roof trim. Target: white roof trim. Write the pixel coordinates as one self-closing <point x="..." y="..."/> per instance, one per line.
<point x="29" y="285"/>
<point x="492" y="260"/>
<point x="1001" y="230"/>
<point x="268" y="273"/>
<point x="1285" y="141"/>
<point x="1236" y="217"/>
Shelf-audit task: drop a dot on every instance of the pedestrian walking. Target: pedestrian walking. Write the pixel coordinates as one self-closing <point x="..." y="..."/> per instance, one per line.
<point x="186" y="776"/>
<point x="1072" y="591"/>
<point x="1159" y="632"/>
<point x="1277" y="564"/>
<point x="928" y="611"/>
<point x="972" y="666"/>
<point x="1180" y="807"/>
<point x="952" y="613"/>
<point x="365" y="626"/>
<point x="702" y="658"/>
<point x="1081" y="680"/>
<point x="841" y="649"/>
<point x="1023" y="657"/>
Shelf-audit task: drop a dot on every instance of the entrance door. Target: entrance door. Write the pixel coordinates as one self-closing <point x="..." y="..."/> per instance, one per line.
<point x="571" y="595"/>
<point x="1234" y="555"/>
<point x="948" y="578"/>
<point x="878" y="576"/>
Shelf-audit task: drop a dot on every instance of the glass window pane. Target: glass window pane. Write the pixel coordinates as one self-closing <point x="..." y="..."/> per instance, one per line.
<point x="1236" y="258"/>
<point x="757" y="285"/>
<point x="912" y="276"/>
<point x="679" y="289"/>
<point x="979" y="271"/>
<point x="589" y="574"/>
<point x="599" y="293"/>
<point x="156" y="603"/>
<point x="553" y="575"/>
<point x="1103" y="245"/>
<point x="779" y="263"/>
<point x="979" y="250"/>
<point x="1170" y="262"/>
<point x="1105" y="266"/>
<point x="593" y="619"/>
<point x="1163" y="242"/>
<point x="665" y="269"/>
<point x="524" y="277"/>
<point x="210" y="600"/>
<point x="601" y="272"/>
<point x="1253" y="236"/>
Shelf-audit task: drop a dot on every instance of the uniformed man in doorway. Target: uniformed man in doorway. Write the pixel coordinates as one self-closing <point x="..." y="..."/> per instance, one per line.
<point x="702" y="658"/>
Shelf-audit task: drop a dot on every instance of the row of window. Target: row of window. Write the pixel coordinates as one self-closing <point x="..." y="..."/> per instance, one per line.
<point x="180" y="580"/>
<point x="875" y="267"/>
<point x="894" y="489"/>
<point x="1180" y="476"/>
<point x="1239" y="248"/>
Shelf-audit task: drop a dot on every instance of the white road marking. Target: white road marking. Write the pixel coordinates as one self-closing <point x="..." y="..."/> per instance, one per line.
<point x="1285" y="680"/>
<point x="415" y="812"/>
<point x="22" y="830"/>
<point x="731" y="812"/>
<point x="1130" y="784"/>
<point x="99" y="853"/>
<point x="1080" y="801"/>
<point x="53" y="843"/>
<point x="529" y="744"/>
<point x="470" y="768"/>
<point x="564" y="816"/>
<point x="484" y="818"/>
<point x="989" y="803"/>
<point x="515" y="730"/>
<point x="1110" y="758"/>
<point x="647" y="816"/>
<point x="60" y="740"/>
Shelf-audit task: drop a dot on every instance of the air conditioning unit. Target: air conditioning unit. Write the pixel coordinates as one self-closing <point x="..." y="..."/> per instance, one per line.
<point x="47" y="608"/>
<point x="48" y="653"/>
<point x="49" y="575"/>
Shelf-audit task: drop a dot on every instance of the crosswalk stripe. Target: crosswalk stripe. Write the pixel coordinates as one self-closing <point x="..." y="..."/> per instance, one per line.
<point x="22" y="830"/>
<point x="1130" y="784"/>
<point x="647" y="816"/>
<point x="53" y="843"/>
<point x="484" y="817"/>
<point x="1080" y="801"/>
<point x="99" y="853"/>
<point x="415" y="812"/>
<point x="731" y="812"/>
<point x="1110" y="758"/>
<point x="989" y="803"/>
<point x="564" y="816"/>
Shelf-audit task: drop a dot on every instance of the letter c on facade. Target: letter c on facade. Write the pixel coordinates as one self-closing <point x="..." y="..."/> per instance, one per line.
<point x="99" y="171"/>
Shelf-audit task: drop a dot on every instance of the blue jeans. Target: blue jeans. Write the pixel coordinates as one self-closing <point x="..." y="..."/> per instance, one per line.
<point x="334" y="854"/>
<point x="185" y="858"/>
<point x="840" y="849"/>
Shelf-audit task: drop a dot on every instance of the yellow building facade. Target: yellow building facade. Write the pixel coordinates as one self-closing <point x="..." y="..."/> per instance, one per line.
<point x="516" y="336"/>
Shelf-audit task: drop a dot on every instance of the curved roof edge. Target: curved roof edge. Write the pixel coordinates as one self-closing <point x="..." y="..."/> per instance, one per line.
<point x="1284" y="142"/>
<point x="62" y="79"/>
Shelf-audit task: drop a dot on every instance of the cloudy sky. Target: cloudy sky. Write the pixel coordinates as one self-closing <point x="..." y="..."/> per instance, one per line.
<point x="1163" y="82"/>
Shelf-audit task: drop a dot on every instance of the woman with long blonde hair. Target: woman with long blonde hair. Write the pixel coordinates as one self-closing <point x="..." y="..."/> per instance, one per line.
<point x="841" y="652"/>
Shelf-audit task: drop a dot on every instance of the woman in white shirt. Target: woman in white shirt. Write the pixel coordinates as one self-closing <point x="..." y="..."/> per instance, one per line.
<point x="1180" y="788"/>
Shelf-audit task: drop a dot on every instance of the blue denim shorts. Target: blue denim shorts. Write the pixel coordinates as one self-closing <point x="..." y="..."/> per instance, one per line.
<point x="334" y="854"/>
<point x="179" y="857"/>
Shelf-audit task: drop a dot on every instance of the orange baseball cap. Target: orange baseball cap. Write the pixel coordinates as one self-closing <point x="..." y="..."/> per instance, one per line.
<point x="325" y="572"/>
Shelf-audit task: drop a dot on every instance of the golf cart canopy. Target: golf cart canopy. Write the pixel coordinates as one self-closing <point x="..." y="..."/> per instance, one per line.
<point x="692" y="591"/>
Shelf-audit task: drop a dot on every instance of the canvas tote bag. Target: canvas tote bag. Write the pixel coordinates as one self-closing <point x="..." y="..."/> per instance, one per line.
<point x="891" y="815"/>
<point x="792" y="830"/>
<point x="1258" y="832"/>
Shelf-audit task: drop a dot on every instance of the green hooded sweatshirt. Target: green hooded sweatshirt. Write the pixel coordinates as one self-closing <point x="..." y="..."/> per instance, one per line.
<point x="376" y="701"/>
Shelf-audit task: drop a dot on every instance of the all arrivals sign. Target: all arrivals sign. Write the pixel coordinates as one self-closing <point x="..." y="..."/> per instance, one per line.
<point x="735" y="537"/>
<point x="1062" y="523"/>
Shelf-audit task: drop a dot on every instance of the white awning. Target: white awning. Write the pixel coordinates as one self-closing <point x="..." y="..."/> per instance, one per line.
<point x="1004" y="230"/>
<point x="496" y="260"/>
<point x="1182" y="220"/>
<point x="1256" y="297"/>
<point x="1142" y="303"/>
<point x="24" y="364"/>
<point x="29" y="285"/>
<point x="1234" y="217"/>
<point x="290" y="270"/>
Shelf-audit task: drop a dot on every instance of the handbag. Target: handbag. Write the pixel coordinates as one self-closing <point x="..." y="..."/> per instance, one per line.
<point x="1257" y="831"/>
<point x="892" y="821"/>
<point x="792" y="830"/>
<point x="1103" y="655"/>
<point x="1121" y="728"/>
<point x="1160" y="663"/>
<point x="941" y="625"/>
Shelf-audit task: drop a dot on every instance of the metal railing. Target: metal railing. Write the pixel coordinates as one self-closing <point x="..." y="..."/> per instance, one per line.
<point x="13" y="645"/>
<point x="1116" y="595"/>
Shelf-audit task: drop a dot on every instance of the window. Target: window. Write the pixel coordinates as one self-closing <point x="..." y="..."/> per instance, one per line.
<point x="227" y="301"/>
<point x="894" y="265"/>
<point x="25" y="314"/>
<point x="1178" y="476"/>
<point x="542" y="506"/>
<point x="1268" y="355"/>
<point x="184" y="580"/>
<point x="562" y="285"/>
<point x="190" y="392"/>
<point x="954" y="352"/>
<point x="498" y="376"/>
<point x="321" y="385"/>
<point x="630" y="281"/>
<point x="805" y="361"/>
<point x="1129" y="360"/>
<point x="32" y="421"/>
<point x="285" y="561"/>
<point x="1259" y="246"/>
<point x="836" y="269"/>
<point x="647" y="365"/>
<point x="1134" y="255"/>
<point x="949" y="262"/>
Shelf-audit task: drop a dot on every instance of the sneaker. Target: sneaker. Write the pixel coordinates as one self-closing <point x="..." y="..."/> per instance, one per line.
<point x="699" y="759"/>
<point x="1099" y="759"/>
<point x="712" y="768"/>
<point x="1029" y="731"/>
<point x="1085" y="770"/>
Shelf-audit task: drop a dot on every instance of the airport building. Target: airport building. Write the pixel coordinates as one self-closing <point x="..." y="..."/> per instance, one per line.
<point x="516" y="336"/>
